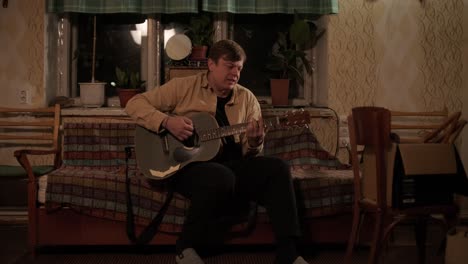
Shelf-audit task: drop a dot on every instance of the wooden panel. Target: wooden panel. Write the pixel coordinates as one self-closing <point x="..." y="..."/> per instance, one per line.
<point x="88" y="230"/>
<point x="175" y="72"/>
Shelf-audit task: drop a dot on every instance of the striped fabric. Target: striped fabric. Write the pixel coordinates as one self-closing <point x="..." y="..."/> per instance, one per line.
<point x="191" y="6"/>
<point x="119" y="6"/>
<point x="96" y="145"/>
<point x="271" y="6"/>
<point x="92" y="177"/>
<point x="301" y="149"/>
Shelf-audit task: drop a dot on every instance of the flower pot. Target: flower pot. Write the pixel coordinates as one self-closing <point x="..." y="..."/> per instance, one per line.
<point x="126" y="94"/>
<point x="279" y="89"/>
<point x="92" y="94"/>
<point x="198" y="53"/>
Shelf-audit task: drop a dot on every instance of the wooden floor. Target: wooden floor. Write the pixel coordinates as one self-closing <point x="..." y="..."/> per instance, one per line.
<point x="13" y="251"/>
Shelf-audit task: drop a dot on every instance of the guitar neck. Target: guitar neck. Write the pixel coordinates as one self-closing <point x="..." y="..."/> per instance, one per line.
<point x="220" y="132"/>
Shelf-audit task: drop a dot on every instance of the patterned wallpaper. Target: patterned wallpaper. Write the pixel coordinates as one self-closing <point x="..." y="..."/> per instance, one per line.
<point x="22" y="58"/>
<point x="22" y="52"/>
<point x="352" y="62"/>
<point x="442" y="31"/>
<point x="400" y="54"/>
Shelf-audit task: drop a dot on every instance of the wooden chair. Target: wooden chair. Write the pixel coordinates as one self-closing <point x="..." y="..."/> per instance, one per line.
<point x="371" y="127"/>
<point x="430" y="127"/>
<point x="31" y="132"/>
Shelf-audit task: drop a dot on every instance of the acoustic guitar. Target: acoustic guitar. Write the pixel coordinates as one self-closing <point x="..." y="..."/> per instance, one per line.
<point x="160" y="155"/>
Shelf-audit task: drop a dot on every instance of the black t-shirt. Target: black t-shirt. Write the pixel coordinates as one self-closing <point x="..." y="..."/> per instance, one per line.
<point x="230" y="150"/>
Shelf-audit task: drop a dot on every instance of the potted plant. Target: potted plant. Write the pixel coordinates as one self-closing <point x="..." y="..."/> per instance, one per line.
<point x="288" y="58"/>
<point x="200" y="32"/>
<point x="128" y="84"/>
<point x="92" y="94"/>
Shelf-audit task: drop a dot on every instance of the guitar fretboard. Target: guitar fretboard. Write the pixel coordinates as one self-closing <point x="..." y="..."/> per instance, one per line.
<point x="220" y="132"/>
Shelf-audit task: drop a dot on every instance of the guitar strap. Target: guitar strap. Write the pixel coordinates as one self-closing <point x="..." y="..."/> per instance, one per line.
<point x="150" y="231"/>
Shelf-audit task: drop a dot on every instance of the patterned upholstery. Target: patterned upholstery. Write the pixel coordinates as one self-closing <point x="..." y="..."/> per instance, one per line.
<point x="92" y="177"/>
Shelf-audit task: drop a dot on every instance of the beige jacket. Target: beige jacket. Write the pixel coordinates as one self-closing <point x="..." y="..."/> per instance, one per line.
<point x="181" y="96"/>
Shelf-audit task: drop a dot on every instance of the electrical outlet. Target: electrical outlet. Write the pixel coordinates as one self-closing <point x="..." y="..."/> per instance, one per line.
<point x="24" y="96"/>
<point x="344" y="142"/>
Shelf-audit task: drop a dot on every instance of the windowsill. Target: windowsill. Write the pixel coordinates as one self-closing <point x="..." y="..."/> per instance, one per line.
<point x="97" y="111"/>
<point x="119" y="112"/>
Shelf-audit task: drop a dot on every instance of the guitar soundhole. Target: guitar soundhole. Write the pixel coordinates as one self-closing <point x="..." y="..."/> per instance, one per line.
<point x="192" y="141"/>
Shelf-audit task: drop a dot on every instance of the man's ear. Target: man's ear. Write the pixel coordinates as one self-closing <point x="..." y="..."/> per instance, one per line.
<point x="211" y="64"/>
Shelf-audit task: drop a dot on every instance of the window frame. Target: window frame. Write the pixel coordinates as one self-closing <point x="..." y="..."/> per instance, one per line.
<point x="61" y="69"/>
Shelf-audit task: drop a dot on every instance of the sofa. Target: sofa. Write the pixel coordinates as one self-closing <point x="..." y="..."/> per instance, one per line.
<point x="83" y="201"/>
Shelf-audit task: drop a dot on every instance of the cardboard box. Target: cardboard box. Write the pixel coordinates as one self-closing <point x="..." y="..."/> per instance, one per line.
<point x="419" y="174"/>
<point x="457" y="243"/>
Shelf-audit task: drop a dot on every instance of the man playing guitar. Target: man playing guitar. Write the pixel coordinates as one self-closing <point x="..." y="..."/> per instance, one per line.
<point x="221" y="188"/>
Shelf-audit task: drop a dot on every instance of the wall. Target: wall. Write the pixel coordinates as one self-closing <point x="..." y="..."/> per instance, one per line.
<point x="399" y="54"/>
<point x="22" y="59"/>
<point x="403" y="55"/>
<point x="464" y="135"/>
<point x="22" y="53"/>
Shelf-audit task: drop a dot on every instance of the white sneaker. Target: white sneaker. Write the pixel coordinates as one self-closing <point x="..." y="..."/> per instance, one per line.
<point x="300" y="260"/>
<point x="190" y="256"/>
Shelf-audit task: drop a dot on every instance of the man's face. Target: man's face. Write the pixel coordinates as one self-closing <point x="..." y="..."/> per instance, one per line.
<point x="224" y="75"/>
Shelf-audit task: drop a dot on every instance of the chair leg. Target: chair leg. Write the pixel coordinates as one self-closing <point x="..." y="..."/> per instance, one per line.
<point x="377" y="238"/>
<point x="353" y="236"/>
<point x="32" y="218"/>
<point x="450" y="221"/>
<point x="420" y="232"/>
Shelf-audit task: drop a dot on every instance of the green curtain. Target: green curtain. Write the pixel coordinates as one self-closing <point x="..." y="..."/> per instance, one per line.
<point x="191" y="6"/>
<point x="272" y="6"/>
<point x="123" y="6"/>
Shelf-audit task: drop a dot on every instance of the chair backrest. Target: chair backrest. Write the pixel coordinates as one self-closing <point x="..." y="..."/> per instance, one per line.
<point x="30" y="128"/>
<point x="370" y="127"/>
<point x="426" y="127"/>
<point x="455" y="131"/>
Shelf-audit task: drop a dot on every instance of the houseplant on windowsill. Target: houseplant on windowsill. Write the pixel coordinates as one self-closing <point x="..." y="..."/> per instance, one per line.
<point x="288" y="59"/>
<point x="128" y="84"/>
<point x="92" y="94"/>
<point x="200" y="32"/>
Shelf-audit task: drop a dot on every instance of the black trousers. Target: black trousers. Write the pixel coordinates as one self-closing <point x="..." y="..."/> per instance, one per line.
<point x="222" y="191"/>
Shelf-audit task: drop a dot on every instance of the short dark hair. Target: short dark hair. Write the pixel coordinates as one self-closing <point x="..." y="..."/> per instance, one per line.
<point x="228" y="50"/>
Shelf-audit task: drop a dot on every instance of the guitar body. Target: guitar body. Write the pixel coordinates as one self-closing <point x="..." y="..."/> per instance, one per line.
<point x="161" y="155"/>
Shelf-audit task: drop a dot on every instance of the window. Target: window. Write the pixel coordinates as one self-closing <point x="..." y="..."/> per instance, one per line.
<point x="256" y="34"/>
<point x="119" y="40"/>
<point x="117" y="46"/>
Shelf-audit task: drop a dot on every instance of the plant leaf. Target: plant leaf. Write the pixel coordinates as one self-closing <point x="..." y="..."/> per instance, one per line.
<point x="299" y="32"/>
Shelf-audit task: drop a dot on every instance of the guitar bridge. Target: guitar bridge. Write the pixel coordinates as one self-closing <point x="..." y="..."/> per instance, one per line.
<point x="165" y="145"/>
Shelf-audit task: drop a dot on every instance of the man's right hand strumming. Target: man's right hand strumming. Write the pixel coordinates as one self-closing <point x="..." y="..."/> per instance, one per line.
<point x="180" y="127"/>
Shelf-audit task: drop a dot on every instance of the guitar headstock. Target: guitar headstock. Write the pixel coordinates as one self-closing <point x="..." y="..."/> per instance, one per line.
<point x="298" y="118"/>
